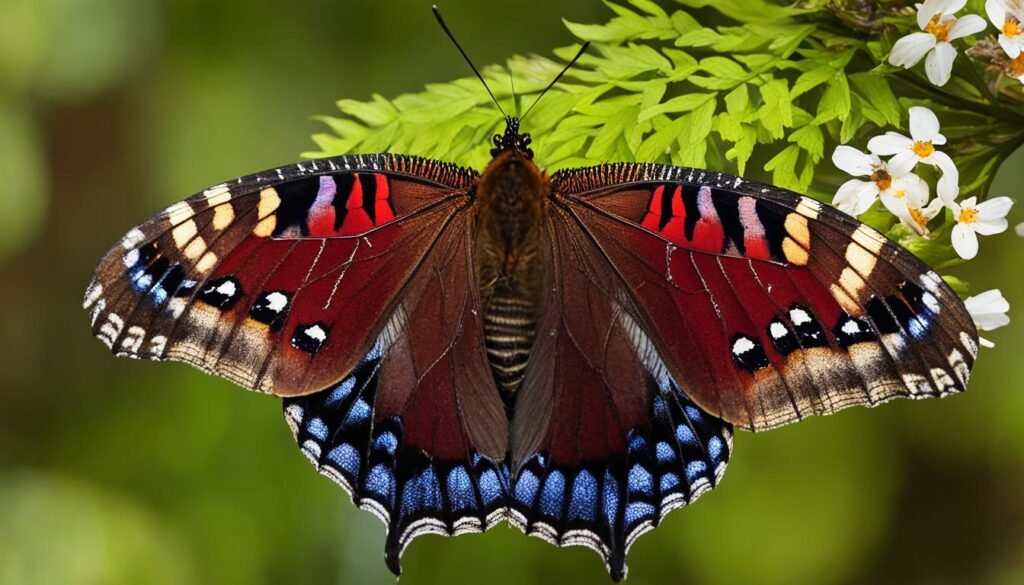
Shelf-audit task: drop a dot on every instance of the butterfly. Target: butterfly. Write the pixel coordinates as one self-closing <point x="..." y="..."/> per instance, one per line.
<point x="569" y="352"/>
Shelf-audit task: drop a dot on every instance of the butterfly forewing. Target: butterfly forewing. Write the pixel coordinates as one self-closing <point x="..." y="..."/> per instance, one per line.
<point x="768" y="306"/>
<point x="277" y="281"/>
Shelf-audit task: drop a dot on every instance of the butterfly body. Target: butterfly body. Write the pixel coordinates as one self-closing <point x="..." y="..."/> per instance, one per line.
<point x="566" y="352"/>
<point x="512" y="196"/>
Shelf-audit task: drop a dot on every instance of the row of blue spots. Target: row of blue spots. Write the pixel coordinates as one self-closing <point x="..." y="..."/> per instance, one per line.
<point x="346" y="459"/>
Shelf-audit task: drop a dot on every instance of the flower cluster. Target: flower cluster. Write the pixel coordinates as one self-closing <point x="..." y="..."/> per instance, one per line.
<point x="907" y="196"/>
<point x="940" y="26"/>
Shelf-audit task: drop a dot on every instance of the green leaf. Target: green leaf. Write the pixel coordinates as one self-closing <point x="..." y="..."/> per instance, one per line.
<point x="682" y="103"/>
<point x="876" y="91"/>
<point x="612" y="131"/>
<point x="725" y="73"/>
<point x="693" y="141"/>
<point x="835" y="103"/>
<point x="777" y="111"/>
<point x="656" y="146"/>
<point x="811" y="79"/>
<point x="811" y="139"/>
<point x="783" y="168"/>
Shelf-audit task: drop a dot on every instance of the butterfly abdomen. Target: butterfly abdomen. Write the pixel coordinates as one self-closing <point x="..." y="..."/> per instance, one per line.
<point x="511" y="196"/>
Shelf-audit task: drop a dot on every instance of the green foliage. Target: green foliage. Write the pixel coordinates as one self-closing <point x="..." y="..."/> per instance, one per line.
<point x="752" y="87"/>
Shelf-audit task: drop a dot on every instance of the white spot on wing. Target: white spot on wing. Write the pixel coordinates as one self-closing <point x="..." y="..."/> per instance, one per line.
<point x="799" y="317"/>
<point x="778" y="330"/>
<point x="742" y="346"/>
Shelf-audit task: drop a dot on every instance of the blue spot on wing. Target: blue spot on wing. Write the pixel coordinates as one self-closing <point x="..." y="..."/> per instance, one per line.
<point x="460" y="489"/>
<point x="526" y="487"/>
<point x="583" y="504"/>
<point x="553" y="494"/>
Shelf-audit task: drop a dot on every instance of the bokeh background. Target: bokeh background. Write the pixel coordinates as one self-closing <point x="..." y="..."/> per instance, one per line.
<point x="120" y="472"/>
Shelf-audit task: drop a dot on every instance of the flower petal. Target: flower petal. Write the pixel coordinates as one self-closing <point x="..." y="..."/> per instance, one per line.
<point x="967" y="25"/>
<point x="965" y="241"/>
<point x="1013" y="47"/>
<point x="902" y="163"/>
<point x="990" y="227"/>
<point x="914" y="188"/>
<point x="939" y="64"/>
<point x="996" y="12"/>
<point x="852" y="161"/>
<point x="949" y="184"/>
<point x="854" y="197"/>
<point x="931" y="8"/>
<point x="924" y="124"/>
<point x="909" y="50"/>
<point x="889" y="143"/>
<point x="995" y="208"/>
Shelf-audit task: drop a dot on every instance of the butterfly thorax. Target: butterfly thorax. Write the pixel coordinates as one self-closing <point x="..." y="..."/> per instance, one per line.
<point x="512" y="194"/>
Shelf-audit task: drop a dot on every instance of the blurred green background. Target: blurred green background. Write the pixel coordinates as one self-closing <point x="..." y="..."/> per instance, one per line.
<point x="114" y="471"/>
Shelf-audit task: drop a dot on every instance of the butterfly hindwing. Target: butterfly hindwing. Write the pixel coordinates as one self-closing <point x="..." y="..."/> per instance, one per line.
<point x="604" y="443"/>
<point x="277" y="281"/>
<point x="417" y="432"/>
<point x="768" y="306"/>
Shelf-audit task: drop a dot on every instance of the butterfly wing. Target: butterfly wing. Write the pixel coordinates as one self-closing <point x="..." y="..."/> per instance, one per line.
<point x="417" y="433"/>
<point x="277" y="281"/>
<point x="344" y="285"/>
<point x="767" y="306"/>
<point x="604" y="443"/>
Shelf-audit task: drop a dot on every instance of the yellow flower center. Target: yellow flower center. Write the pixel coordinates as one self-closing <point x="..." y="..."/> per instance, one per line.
<point x="923" y="149"/>
<point x="900" y="194"/>
<point x="938" y="28"/>
<point x="1011" y="27"/>
<point x="882" y="179"/>
<point x="1017" y="66"/>
<point x="968" y="215"/>
<point x="918" y="216"/>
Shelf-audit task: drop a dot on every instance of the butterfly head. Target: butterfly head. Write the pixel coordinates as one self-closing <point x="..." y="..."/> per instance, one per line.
<point x="512" y="139"/>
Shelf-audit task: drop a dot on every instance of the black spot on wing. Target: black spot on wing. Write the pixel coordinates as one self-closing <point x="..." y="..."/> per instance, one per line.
<point x="727" y="206"/>
<point x="296" y="199"/>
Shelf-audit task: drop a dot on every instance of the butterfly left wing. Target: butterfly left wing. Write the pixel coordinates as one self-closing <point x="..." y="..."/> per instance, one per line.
<point x="767" y="306"/>
<point x="604" y="442"/>
<point x="277" y="281"/>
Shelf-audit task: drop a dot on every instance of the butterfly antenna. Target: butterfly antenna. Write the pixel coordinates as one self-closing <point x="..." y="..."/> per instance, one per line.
<point x="440" y="20"/>
<point x="512" y="83"/>
<point x="583" y="49"/>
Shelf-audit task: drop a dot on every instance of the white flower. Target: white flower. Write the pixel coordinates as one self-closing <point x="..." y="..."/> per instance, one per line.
<point x="935" y="17"/>
<point x="986" y="218"/>
<point x="856" y="196"/>
<point x="988" y="310"/>
<point x="1007" y="16"/>
<point x="924" y="129"/>
<point x="1020" y="229"/>
<point x="913" y="209"/>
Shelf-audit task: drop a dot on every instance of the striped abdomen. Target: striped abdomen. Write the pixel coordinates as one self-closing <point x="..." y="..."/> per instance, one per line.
<point x="510" y="323"/>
